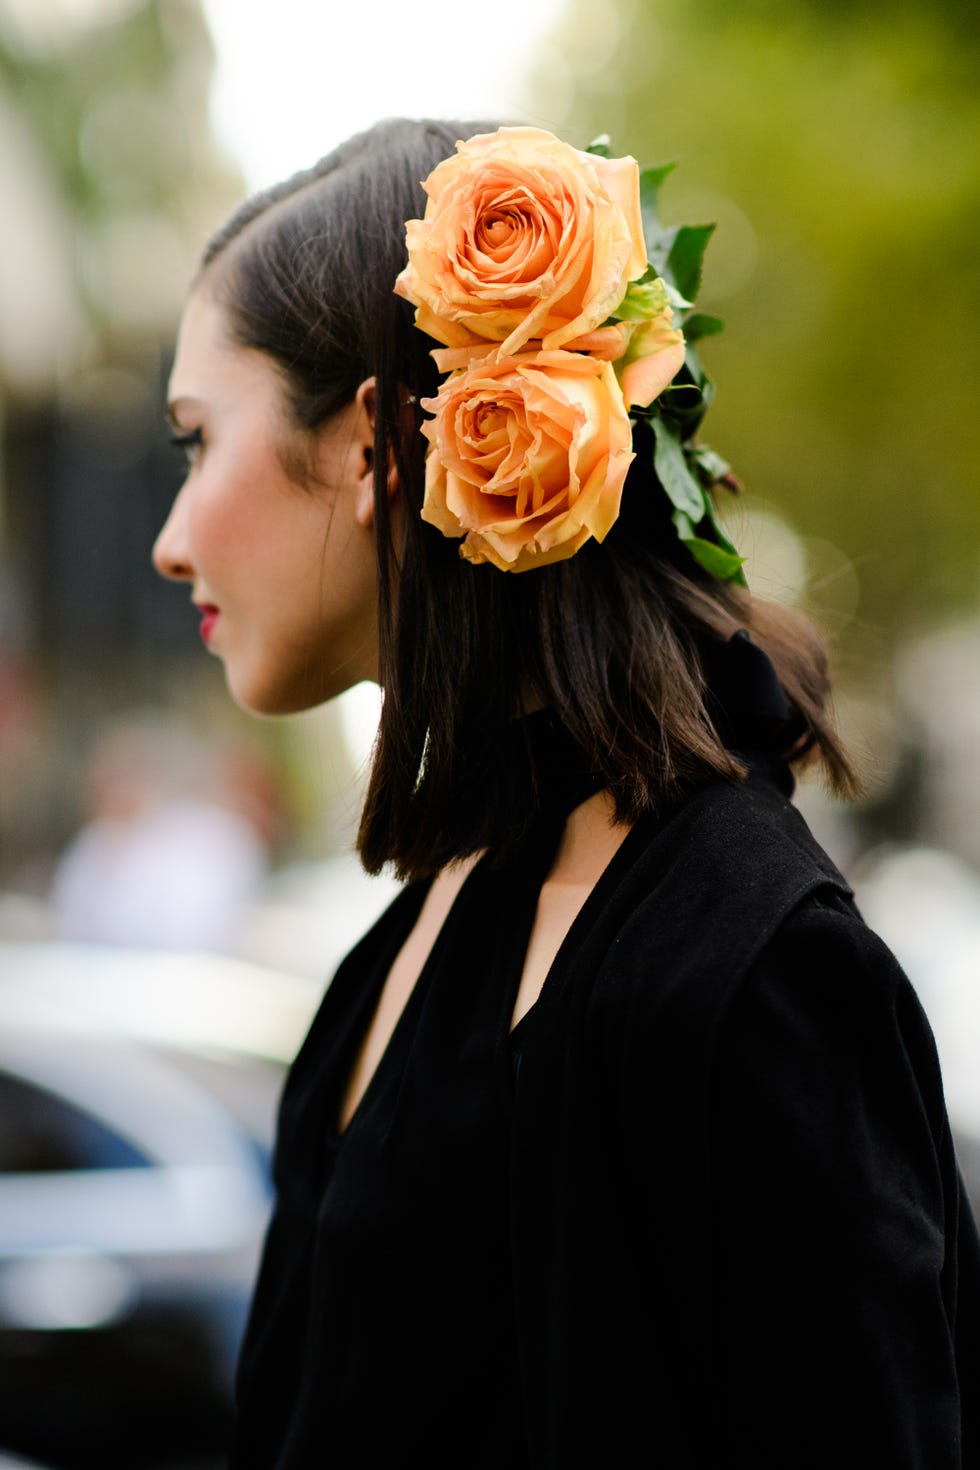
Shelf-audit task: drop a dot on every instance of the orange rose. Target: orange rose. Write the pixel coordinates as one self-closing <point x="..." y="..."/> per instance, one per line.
<point x="527" y="456"/>
<point x="524" y="237"/>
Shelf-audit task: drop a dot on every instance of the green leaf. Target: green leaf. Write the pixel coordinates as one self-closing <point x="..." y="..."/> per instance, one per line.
<point x="718" y="560"/>
<point x="699" y="324"/>
<point x="708" y="465"/>
<point x="601" y="146"/>
<point x="718" y="532"/>
<point x="658" y="243"/>
<point x="719" y="537"/>
<point x="694" y="372"/>
<point x="681" y="398"/>
<point x="683" y="491"/>
<point x="686" y="256"/>
<point x="650" y="181"/>
<point x="683" y="412"/>
<point x="678" y="302"/>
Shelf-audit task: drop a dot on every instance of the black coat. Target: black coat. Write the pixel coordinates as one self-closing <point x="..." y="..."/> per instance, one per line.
<point x="739" y="1230"/>
<point x="737" y="1233"/>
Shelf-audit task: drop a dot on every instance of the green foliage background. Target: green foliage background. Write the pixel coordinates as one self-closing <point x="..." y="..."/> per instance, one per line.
<point x="836" y="145"/>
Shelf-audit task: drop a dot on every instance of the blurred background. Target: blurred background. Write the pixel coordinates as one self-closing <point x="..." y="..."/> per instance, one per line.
<point x="176" y="879"/>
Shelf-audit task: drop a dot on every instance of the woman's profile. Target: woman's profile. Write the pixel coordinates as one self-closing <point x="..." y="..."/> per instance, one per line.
<point x="620" y="1138"/>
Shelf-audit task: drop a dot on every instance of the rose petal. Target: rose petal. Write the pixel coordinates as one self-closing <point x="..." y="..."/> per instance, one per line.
<point x="607" y="342"/>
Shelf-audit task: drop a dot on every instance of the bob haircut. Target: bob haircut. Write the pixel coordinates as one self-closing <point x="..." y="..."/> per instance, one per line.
<point x="617" y="641"/>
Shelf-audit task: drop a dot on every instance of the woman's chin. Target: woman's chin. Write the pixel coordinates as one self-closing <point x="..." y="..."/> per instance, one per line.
<point x="258" y="696"/>
<point x="271" y="703"/>
<point x="271" y="698"/>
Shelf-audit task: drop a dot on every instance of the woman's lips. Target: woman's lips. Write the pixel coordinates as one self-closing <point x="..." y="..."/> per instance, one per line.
<point x="209" y="616"/>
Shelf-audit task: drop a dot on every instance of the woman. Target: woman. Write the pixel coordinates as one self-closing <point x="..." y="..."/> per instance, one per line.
<point x="619" y="1137"/>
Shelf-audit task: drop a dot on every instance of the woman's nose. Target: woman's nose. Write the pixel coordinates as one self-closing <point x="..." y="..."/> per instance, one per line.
<point x="170" y="553"/>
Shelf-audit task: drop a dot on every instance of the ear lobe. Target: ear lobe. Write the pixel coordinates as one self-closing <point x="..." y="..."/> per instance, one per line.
<point x="365" y="400"/>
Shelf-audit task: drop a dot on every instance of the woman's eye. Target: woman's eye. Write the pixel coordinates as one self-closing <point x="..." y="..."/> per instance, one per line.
<point x="191" y="441"/>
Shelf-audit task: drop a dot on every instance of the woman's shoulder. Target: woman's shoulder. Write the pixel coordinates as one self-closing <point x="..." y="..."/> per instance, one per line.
<point x="720" y="876"/>
<point x="752" y="829"/>
<point x="739" y="938"/>
<point x="733" y="891"/>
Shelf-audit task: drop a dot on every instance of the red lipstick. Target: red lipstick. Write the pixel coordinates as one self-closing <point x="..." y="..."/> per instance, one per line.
<point x="209" y="616"/>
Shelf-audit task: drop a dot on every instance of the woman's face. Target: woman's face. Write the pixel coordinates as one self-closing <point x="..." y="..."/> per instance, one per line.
<point x="283" y="572"/>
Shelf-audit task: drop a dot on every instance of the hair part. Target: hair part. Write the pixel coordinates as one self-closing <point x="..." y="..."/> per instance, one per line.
<point x="618" y="640"/>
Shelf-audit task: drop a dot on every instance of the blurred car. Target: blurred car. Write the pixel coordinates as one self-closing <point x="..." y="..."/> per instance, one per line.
<point x="137" y="1105"/>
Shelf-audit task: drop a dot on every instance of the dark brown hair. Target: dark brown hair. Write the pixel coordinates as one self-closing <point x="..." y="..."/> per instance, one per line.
<point x="618" y="641"/>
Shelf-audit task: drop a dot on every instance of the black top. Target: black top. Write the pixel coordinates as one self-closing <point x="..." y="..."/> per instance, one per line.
<point x="712" y="1219"/>
<point x="382" y="1327"/>
<point x="388" y="1329"/>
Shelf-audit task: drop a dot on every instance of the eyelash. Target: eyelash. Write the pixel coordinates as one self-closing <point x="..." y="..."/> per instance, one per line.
<point x="189" y="441"/>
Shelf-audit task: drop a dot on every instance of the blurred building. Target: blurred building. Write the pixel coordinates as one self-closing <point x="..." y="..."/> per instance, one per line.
<point x="112" y="181"/>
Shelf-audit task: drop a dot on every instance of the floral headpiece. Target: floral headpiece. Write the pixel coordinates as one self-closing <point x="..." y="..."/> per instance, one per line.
<point x="547" y="276"/>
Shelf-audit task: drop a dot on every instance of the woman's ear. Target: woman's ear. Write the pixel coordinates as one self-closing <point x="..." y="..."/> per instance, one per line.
<point x="365" y="405"/>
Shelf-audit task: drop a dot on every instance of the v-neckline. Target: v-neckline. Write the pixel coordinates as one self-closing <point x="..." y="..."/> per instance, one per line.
<point x="606" y="883"/>
<point x="414" y="998"/>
